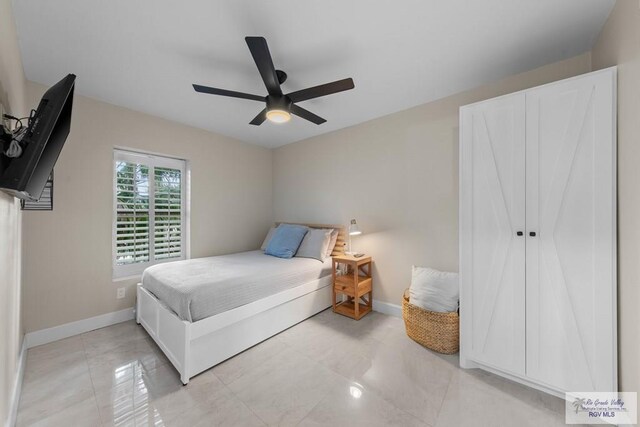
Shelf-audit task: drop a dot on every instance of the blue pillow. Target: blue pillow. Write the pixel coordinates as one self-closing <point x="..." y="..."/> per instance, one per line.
<point x="286" y="240"/>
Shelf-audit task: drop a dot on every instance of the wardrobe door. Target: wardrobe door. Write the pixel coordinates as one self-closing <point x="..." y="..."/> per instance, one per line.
<point x="571" y="269"/>
<point x="492" y="212"/>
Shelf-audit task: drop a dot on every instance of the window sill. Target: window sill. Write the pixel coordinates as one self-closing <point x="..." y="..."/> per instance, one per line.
<point x="137" y="272"/>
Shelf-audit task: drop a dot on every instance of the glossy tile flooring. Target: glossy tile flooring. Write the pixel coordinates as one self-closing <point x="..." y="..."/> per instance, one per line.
<point x="327" y="370"/>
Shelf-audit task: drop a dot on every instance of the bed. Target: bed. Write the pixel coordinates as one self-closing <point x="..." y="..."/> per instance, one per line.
<point x="203" y="311"/>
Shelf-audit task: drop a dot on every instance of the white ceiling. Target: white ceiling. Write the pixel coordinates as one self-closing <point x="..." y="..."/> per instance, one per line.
<point x="145" y="54"/>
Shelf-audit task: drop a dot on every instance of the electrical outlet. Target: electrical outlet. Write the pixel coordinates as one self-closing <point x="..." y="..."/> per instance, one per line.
<point x="120" y="293"/>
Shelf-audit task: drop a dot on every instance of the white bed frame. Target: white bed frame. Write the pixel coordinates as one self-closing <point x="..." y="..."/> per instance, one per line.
<point x="194" y="347"/>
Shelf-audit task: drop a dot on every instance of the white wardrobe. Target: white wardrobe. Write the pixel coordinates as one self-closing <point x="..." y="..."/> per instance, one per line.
<point x="538" y="235"/>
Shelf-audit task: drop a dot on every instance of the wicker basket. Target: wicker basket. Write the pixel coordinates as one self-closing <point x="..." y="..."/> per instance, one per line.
<point x="438" y="331"/>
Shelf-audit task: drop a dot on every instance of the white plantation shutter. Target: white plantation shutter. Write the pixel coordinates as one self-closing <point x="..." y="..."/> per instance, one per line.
<point x="132" y="213"/>
<point x="149" y="211"/>
<point x="168" y="213"/>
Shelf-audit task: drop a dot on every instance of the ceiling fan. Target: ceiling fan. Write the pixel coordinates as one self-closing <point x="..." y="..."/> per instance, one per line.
<point x="279" y="106"/>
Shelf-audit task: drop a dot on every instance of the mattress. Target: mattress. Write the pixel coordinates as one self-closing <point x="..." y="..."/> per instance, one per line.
<point x="199" y="288"/>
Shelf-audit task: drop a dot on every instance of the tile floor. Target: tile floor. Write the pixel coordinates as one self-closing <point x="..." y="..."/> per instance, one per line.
<point x="327" y="370"/>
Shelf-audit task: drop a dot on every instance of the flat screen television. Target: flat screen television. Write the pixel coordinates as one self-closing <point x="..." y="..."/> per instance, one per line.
<point x="26" y="176"/>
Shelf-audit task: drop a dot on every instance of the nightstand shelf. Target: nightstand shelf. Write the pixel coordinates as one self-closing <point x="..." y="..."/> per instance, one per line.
<point x="352" y="291"/>
<point x="347" y="308"/>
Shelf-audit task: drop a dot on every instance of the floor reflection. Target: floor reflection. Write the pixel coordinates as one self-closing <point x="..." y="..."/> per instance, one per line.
<point x="131" y="397"/>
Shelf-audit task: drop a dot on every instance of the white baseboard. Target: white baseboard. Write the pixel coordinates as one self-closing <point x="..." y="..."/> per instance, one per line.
<point x="67" y="330"/>
<point x="45" y="336"/>
<point x="17" y="387"/>
<point x="387" y="308"/>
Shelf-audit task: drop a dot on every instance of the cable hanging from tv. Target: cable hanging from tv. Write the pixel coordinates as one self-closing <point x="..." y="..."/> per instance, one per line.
<point x="15" y="137"/>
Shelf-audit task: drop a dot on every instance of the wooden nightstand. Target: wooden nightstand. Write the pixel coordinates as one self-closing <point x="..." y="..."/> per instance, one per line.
<point x="356" y="284"/>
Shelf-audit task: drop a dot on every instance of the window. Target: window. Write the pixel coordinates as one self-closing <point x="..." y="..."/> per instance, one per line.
<point x="149" y="211"/>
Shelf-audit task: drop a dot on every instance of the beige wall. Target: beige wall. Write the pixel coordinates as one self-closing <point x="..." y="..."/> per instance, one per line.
<point x="12" y="98"/>
<point x="619" y="44"/>
<point x="398" y="176"/>
<point x="68" y="273"/>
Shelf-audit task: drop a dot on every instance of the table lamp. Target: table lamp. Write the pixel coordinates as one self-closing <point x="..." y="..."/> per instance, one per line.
<point x="354" y="230"/>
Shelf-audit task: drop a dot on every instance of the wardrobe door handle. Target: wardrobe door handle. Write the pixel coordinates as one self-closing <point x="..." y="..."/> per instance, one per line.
<point x="532" y="234"/>
<point x="519" y="233"/>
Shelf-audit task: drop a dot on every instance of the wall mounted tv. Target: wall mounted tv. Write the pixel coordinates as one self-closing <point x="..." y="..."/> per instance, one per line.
<point x="25" y="176"/>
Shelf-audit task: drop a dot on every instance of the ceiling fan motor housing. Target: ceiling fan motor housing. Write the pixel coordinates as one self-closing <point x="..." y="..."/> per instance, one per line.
<point x="279" y="103"/>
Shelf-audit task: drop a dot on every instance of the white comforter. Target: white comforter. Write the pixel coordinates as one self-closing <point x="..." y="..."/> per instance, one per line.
<point x="198" y="288"/>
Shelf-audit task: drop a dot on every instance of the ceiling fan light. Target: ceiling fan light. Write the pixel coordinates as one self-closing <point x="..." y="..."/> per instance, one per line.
<point x="278" y="116"/>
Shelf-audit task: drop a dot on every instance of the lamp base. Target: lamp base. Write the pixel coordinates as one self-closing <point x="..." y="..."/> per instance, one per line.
<point x="354" y="254"/>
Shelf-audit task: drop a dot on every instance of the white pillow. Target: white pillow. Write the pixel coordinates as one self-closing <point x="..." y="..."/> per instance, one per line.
<point x="434" y="290"/>
<point x="314" y="244"/>
<point x="332" y="243"/>
<point x="266" y="239"/>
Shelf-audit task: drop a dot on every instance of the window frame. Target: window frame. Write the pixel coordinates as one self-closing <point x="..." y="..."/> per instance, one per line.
<point x="152" y="160"/>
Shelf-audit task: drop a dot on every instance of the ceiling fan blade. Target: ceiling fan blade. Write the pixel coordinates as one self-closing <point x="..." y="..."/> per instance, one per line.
<point x="260" y="118"/>
<point x="224" y="92"/>
<point x="262" y="57"/>
<point x="307" y="115"/>
<point x="321" y="90"/>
